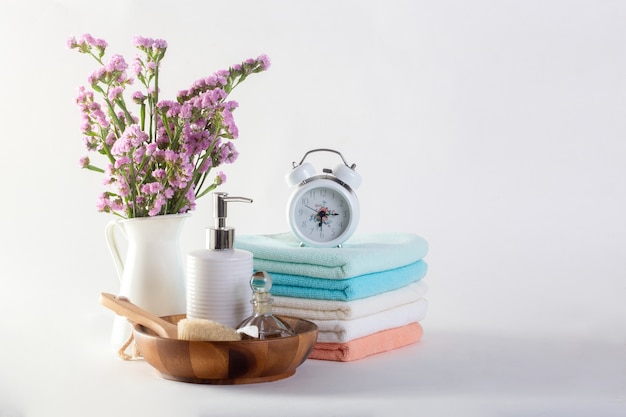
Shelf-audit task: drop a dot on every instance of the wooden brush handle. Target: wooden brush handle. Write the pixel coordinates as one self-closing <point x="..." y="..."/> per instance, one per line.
<point x="125" y="308"/>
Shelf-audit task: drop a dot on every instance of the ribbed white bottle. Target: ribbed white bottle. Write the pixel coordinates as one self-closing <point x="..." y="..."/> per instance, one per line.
<point x="218" y="285"/>
<point x="218" y="277"/>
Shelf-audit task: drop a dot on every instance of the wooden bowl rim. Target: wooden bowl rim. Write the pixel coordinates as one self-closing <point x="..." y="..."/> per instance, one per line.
<point x="176" y="317"/>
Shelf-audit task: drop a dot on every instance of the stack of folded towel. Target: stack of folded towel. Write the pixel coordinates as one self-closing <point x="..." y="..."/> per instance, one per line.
<point x="366" y="297"/>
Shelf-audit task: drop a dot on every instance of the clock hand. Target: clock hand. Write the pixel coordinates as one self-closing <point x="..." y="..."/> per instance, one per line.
<point x="321" y="212"/>
<point x="320" y="216"/>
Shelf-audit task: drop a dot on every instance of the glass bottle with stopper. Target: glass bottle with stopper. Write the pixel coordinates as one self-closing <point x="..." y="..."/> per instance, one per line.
<point x="262" y="322"/>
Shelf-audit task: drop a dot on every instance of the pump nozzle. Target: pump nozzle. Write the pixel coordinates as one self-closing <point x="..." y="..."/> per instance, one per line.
<point x="220" y="236"/>
<point x="220" y="201"/>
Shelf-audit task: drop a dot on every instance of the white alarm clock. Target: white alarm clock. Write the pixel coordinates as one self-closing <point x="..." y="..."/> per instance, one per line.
<point x="323" y="209"/>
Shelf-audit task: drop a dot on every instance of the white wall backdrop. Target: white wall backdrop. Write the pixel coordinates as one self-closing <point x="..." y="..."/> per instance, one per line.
<point x="494" y="129"/>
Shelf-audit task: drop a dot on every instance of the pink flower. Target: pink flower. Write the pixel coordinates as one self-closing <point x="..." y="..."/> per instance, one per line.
<point x="86" y="42"/>
<point x="206" y="166"/>
<point x="83" y="96"/>
<point x="117" y="204"/>
<point x="191" y="197"/>
<point x="151" y="148"/>
<point x="101" y="43"/>
<point x="159" y="44"/>
<point x="115" y="93"/>
<point x="85" y="125"/>
<point x="149" y="43"/>
<point x="171" y="108"/>
<point x="220" y="178"/>
<point x="71" y="43"/>
<point x="121" y="161"/>
<point x="121" y="146"/>
<point x="110" y="139"/>
<point x="141" y="42"/>
<point x="151" y="188"/>
<point x="123" y="189"/>
<point x="159" y="201"/>
<point x="116" y="64"/>
<point x="140" y="151"/>
<point x="138" y="97"/>
<point x="97" y="75"/>
<point x="170" y="155"/>
<point x="265" y="62"/>
<point x="136" y="66"/>
<point x="158" y="174"/>
<point x="229" y="123"/>
<point x="103" y="203"/>
<point x="91" y="143"/>
<point x="228" y="153"/>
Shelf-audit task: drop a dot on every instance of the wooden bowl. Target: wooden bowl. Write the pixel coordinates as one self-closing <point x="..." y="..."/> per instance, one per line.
<point x="225" y="363"/>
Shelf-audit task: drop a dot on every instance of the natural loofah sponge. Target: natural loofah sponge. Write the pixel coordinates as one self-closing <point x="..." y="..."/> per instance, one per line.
<point x="205" y="330"/>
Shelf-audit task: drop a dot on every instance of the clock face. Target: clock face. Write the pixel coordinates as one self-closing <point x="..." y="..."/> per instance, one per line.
<point x="323" y="215"/>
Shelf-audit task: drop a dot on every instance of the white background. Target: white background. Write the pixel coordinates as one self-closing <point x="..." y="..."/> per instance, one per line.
<point x="494" y="129"/>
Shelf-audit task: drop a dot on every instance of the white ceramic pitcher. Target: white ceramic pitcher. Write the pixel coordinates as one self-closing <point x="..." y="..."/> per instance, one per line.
<point x="151" y="273"/>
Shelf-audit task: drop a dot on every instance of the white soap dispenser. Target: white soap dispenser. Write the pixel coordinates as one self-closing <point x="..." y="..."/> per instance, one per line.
<point x="218" y="277"/>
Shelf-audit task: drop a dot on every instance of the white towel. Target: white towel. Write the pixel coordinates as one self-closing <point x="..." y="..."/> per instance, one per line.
<point x="315" y="309"/>
<point x="333" y="331"/>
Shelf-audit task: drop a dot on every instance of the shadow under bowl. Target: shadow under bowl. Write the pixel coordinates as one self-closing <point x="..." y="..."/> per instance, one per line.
<point x="227" y="362"/>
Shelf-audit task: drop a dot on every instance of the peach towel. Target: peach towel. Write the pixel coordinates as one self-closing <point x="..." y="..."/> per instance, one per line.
<point x="374" y="343"/>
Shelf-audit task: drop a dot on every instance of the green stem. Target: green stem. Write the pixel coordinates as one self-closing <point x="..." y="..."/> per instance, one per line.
<point x="120" y="125"/>
<point x="122" y="104"/>
<point x="142" y="115"/>
<point x="151" y="122"/>
<point x="206" y="191"/>
<point x="166" y="125"/>
<point x="94" y="168"/>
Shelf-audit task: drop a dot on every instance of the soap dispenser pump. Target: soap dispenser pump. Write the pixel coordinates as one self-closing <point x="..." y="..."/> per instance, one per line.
<point x="218" y="276"/>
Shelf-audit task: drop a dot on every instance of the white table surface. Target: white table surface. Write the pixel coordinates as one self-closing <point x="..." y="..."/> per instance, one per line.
<point x="446" y="373"/>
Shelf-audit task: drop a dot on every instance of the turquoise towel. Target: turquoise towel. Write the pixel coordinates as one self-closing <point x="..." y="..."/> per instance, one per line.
<point x="362" y="254"/>
<point x="347" y="289"/>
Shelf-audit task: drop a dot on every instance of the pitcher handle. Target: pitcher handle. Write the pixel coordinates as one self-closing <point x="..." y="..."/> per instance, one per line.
<point x="113" y="247"/>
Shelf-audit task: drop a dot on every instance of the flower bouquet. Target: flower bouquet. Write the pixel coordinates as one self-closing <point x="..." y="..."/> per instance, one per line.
<point x="158" y="161"/>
